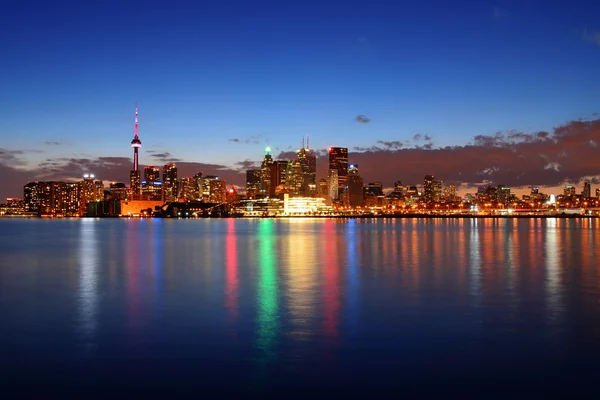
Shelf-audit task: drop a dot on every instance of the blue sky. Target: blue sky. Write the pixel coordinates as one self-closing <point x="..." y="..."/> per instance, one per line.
<point x="270" y="72"/>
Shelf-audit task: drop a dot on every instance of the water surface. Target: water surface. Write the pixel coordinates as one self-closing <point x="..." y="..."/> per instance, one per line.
<point x="414" y="306"/>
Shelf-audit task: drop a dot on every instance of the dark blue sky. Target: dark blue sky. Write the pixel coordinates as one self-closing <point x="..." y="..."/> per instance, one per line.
<point x="271" y="72"/>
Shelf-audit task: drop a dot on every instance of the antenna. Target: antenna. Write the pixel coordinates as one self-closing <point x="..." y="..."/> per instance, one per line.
<point x="302" y="141"/>
<point x="307" y="146"/>
<point x="136" y="120"/>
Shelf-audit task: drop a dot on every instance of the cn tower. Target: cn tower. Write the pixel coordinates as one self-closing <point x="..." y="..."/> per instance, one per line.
<point x="134" y="176"/>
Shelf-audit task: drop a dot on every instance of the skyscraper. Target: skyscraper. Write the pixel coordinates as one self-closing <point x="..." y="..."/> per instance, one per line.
<point x="278" y="175"/>
<point x="265" y="181"/>
<point x="151" y="185"/>
<point x="587" y="190"/>
<point x="170" y="182"/>
<point x="253" y="180"/>
<point x="338" y="160"/>
<point x="308" y="161"/>
<point x="134" y="175"/>
<point x="428" y="188"/>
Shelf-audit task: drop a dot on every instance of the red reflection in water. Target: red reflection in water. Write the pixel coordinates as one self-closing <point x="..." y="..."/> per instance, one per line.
<point x="331" y="285"/>
<point x="132" y="272"/>
<point x="231" y="265"/>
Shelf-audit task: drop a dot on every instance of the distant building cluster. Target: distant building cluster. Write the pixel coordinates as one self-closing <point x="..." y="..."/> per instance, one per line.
<point x="278" y="187"/>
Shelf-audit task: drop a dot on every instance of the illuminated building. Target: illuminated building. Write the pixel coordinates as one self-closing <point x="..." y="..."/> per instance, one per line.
<point x="437" y="191"/>
<point x="31" y="197"/>
<point x="504" y="194"/>
<point x="338" y="160"/>
<point x="353" y="169"/>
<point x="152" y="185"/>
<point x="253" y="181"/>
<point x="428" y="189"/>
<point x="118" y="191"/>
<point x="569" y="190"/>
<point x="134" y="175"/>
<point x="265" y="175"/>
<point x="70" y="199"/>
<point x="217" y="189"/>
<point x="323" y="188"/>
<point x="188" y="189"/>
<point x="587" y="190"/>
<point x="598" y="193"/>
<point x="278" y="176"/>
<point x="332" y="184"/>
<point x="373" y="194"/>
<point x="13" y="206"/>
<point x="304" y="206"/>
<point x="51" y="200"/>
<point x="398" y="188"/>
<point x="87" y="192"/>
<point x="232" y="196"/>
<point x="170" y="183"/>
<point x="295" y="178"/>
<point x="198" y="178"/>
<point x="205" y="192"/>
<point x="355" y="193"/>
<point x="308" y="161"/>
<point x="450" y="192"/>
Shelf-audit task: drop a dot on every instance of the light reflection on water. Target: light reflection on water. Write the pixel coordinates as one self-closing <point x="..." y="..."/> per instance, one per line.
<point x="314" y="299"/>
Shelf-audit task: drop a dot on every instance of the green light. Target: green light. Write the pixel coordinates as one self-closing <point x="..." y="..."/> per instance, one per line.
<point x="268" y="150"/>
<point x="267" y="293"/>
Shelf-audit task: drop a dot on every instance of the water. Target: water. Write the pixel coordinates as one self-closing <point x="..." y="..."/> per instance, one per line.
<point x="415" y="306"/>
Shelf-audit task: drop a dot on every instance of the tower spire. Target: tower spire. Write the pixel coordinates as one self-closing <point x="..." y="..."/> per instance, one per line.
<point x="135" y="132"/>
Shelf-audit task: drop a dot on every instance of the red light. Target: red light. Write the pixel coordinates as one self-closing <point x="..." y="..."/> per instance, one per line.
<point x="230" y="190"/>
<point x="330" y="149"/>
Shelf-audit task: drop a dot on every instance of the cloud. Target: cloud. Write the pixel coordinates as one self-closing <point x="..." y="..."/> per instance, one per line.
<point x="51" y="143"/>
<point x="593" y="36"/>
<point x="250" y="140"/>
<point x="417" y="137"/>
<point x="12" y="157"/>
<point x="165" y="157"/>
<point x="362" y="119"/>
<point x="248" y="164"/>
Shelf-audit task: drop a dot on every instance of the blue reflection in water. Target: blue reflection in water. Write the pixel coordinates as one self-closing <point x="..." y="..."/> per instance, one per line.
<point x="88" y="283"/>
<point x="157" y="261"/>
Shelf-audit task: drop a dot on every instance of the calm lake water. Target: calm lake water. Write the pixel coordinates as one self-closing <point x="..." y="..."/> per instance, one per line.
<point x="415" y="306"/>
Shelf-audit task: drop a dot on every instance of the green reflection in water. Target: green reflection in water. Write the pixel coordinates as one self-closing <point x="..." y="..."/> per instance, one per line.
<point x="267" y="294"/>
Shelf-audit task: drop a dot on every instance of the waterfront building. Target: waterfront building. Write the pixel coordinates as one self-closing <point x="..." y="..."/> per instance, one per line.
<point x="308" y="161"/>
<point x="188" y="189"/>
<point x="279" y="170"/>
<point x="152" y="185"/>
<point x="295" y="178"/>
<point x="118" y="191"/>
<point x="31" y="197"/>
<point x="332" y="184"/>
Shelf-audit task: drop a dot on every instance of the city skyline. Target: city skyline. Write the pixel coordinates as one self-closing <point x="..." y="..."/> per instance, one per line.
<point x="509" y="105"/>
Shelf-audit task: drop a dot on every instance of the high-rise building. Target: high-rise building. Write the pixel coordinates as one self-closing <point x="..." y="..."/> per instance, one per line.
<point x="587" y="190"/>
<point x="206" y="186"/>
<point x="354" y="195"/>
<point x="449" y="192"/>
<point x="308" y="160"/>
<point x="87" y="190"/>
<point x="217" y="191"/>
<point x="353" y="169"/>
<point x="323" y="188"/>
<point x="428" y="188"/>
<point x="295" y="178"/>
<point x="437" y="190"/>
<point x="598" y="193"/>
<point x="70" y="193"/>
<point x="198" y="178"/>
<point x="118" y="191"/>
<point x="170" y="183"/>
<point x="31" y="197"/>
<point x="188" y="189"/>
<point x="332" y="184"/>
<point x="134" y="175"/>
<point x="253" y="181"/>
<point x="152" y="185"/>
<point x="278" y="176"/>
<point x="504" y="194"/>
<point x="338" y="160"/>
<point x="265" y="182"/>
<point x="569" y="191"/>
